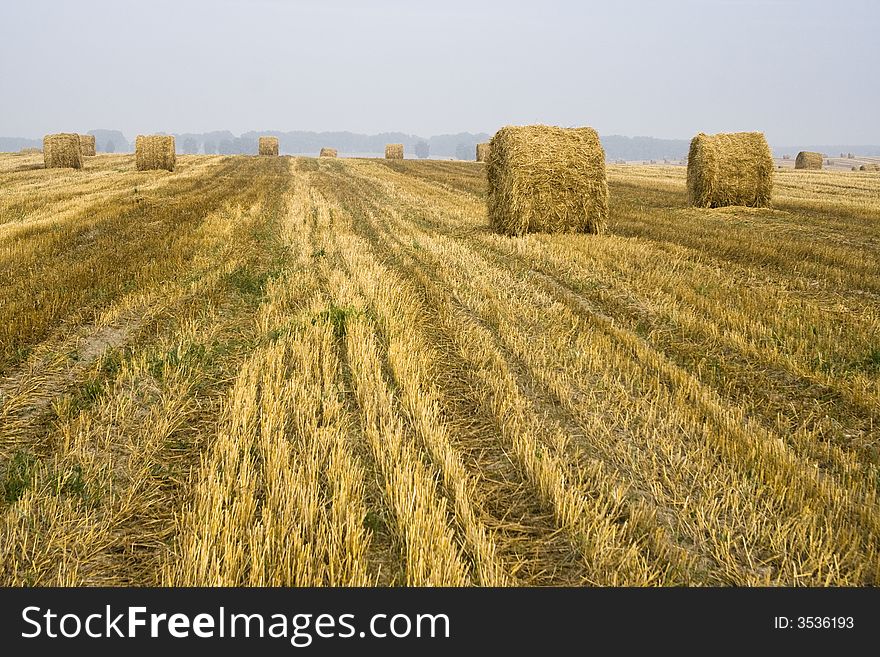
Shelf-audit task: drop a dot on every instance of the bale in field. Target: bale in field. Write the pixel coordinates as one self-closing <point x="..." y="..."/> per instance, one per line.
<point x="482" y="152"/>
<point x="870" y="167"/>
<point x="808" y="160"/>
<point x="547" y="179"/>
<point x="394" y="152"/>
<point x="62" y="151"/>
<point x="729" y="169"/>
<point x="268" y="145"/>
<point x="87" y="145"/>
<point x="154" y="152"/>
<point x="328" y="152"/>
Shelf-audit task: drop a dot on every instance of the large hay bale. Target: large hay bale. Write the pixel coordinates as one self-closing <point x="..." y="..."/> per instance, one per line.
<point x="547" y="179"/>
<point x="394" y="152"/>
<point x="730" y="169"/>
<point x="328" y="152"/>
<point x="87" y="145"/>
<point x="269" y="146"/>
<point x="808" y="160"/>
<point x="62" y="151"/>
<point x="870" y="167"/>
<point x="154" y="152"/>
<point x="482" y="152"/>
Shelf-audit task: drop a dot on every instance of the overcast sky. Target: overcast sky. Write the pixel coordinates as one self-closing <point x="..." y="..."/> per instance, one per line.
<point x="802" y="71"/>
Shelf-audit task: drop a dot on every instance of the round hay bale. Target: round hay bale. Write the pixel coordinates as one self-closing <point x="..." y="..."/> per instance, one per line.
<point x="154" y="152"/>
<point x="808" y="160"/>
<point x="62" y="151"/>
<point x="870" y="167"/>
<point x="328" y="152"/>
<point x="482" y="152"/>
<point x="547" y="179"/>
<point x="269" y="146"/>
<point x="87" y="145"/>
<point x="730" y="169"/>
<point x="394" y="152"/>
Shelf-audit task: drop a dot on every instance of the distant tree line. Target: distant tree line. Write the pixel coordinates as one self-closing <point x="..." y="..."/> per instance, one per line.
<point x="461" y="145"/>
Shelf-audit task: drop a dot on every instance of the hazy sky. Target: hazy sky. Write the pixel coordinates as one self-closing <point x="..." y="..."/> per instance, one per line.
<point x="804" y="72"/>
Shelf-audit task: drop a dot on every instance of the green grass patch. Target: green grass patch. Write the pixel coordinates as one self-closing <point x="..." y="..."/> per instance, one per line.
<point x="337" y="317"/>
<point x="18" y="476"/>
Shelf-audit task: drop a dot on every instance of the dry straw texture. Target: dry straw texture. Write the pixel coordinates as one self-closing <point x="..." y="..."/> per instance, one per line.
<point x="87" y="144"/>
<point x="328" y="152"/>
<point x="62" y="151"/>
<point x="547" y="179"/>
<point x="808" y="160"/>
<point x="870" y="167"/>
<point x="394" y="152"/>
<point x="730" y="169"/>
<point x="268" y="145"/>
<point x="155" y="152"/>
<point x="482" y="152"/>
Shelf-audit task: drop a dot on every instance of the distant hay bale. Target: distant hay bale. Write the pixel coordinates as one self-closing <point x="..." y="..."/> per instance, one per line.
<point x="870" y="167"/>
<point x="62" y="151"/>
<point x="729" y="169"/>
<point x="808" y="160"/>
<point x="154" y="152"/>
<point x="482" y="152"/>
<point x="394" y="152"/>
<point x="30" y="151"/>
<point x="547" y="179"/>
<point x="328" y="152"/>
<point x="87" y="145"/>
<point x="268" y="146"/>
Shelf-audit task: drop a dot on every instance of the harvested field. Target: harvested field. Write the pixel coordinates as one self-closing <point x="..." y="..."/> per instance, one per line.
<point x="312" y="371"/>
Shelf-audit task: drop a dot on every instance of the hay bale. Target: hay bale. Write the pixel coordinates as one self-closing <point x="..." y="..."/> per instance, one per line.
<point x="808" y="160"/>
<point x="269" y="146"/>
<point x="154" y="152"/>
<point x="870" y="167"/>
<point x="62" y="151"/>
<point x="394" y="152"/>
<point x="729" y="169"/>
<point x="328" y="152"/>
<point x="482" y="152"/>
<point x="87" y="145"/>
<point x="547" y="179"/>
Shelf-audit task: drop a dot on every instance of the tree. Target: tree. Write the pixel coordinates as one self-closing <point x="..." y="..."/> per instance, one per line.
<point x="210" y="148"/>
<point x="464" y="151"/>
<point x="110" y="147"/>
<point x="190" y="146"/>
<point x="422" y="149"/>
